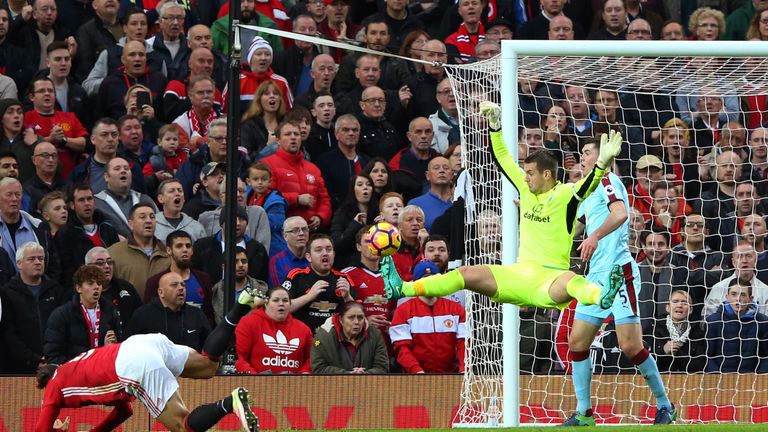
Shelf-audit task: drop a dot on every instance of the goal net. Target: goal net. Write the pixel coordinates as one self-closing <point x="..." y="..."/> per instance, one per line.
<point x="694" y="145"/>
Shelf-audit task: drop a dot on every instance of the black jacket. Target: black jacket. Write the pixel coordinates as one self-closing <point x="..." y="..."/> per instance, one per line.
<point x="208" y="257"/>
<point x="26" y="319"/>
<point x="92" y="38"/>
<point x="289" y="64"/>
<point x="337" y="171"/>
<point x="320" y="141"/>
<point x="15" y="63"/>
<point x="72" y="239"/>
<point x="153" y="283"/>
<point x="24" y="34"/>
<point x="125" y="300"/>
<point x="36" y="188"/>
<point x="188" y="326"/>
<point x="67" y="335"/>
<point x="174" y="68"/>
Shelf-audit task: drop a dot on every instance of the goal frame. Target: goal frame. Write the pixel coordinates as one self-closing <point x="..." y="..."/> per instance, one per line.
<point x="511" y="50"/>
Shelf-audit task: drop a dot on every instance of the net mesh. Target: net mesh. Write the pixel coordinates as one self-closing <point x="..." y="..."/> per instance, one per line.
<point x="700" y="118"/>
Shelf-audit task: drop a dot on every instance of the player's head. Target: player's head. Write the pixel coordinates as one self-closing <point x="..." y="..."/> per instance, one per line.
<point x="44" y="374"/>
<point x="361" y="243"/>
<point x="589" y="154"/>
<point x="540" y="171"/>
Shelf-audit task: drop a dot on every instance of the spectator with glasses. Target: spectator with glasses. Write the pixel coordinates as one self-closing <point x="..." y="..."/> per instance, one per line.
<point x="45" y="180"/>
<point x="296" y="234"/>
<point x="378" y="137"/>
<point x="118" y="292"/>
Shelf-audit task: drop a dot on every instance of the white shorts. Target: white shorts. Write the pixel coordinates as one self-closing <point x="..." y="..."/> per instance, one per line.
<point x="625" y="308"/>
<point x="148" y="366"/>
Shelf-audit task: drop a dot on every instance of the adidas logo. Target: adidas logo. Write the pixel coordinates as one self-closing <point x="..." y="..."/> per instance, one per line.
<point x="280" y="344"/>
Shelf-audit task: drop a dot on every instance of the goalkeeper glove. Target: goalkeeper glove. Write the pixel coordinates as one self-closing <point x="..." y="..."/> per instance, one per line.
<point x="492" y="113"/>
<point x="610" y="146"/>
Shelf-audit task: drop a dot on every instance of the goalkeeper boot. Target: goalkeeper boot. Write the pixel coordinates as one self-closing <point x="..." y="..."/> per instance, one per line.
<point x="665" y="415"/>
<point x="580" y="420"/>
<point x="610" y="289"/>
<point x="393" y="283"/>
<point x="252" y="296"/>
<point x="241" y="407"/>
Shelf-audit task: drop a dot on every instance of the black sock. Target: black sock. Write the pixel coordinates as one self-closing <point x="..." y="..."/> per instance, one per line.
<point x="219" y="339"/>
<point x="206" y="416"/>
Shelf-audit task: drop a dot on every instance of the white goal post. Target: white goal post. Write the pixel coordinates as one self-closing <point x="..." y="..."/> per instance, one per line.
<point x="491" y="393"/>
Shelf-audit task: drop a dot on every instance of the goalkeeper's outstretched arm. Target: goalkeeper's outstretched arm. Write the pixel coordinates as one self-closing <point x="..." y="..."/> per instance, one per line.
<point x="610" y="146"/>
<point x="507" y="164"/>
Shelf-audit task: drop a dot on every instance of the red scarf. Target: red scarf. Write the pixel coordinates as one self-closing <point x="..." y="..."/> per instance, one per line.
<point x="198" y="127"/>
<point x="93" y="328"/>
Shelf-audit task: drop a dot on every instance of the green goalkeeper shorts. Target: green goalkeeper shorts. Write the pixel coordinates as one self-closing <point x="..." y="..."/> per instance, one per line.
<point x="525" y="284"/>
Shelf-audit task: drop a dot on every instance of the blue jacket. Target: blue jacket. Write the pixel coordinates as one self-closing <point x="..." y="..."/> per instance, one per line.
<point x="737" y="344"/>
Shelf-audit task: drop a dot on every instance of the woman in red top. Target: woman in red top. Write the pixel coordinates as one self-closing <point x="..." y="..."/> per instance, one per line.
<point x="270" y="340"/>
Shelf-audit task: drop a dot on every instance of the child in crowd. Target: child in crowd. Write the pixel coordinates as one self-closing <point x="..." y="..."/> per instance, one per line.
<point x="167" y="156"/>
<point x="260" y="193"/>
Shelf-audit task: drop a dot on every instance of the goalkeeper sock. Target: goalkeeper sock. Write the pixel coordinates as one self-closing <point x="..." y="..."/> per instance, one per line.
<point x="582" y="381"/>
<point x="583" y="290"/>
<point x="439" y="285"/>
<point x="650" y="371"/>
<point x="206" y="416"/>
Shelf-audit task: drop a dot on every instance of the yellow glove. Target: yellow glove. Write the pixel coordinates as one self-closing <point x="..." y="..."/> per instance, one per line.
<point x="492" y="113"/>
<point x="610" y="146"/>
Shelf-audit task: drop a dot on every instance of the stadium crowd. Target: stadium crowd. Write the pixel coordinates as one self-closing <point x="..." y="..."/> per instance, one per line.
<point x="112" y="153"/>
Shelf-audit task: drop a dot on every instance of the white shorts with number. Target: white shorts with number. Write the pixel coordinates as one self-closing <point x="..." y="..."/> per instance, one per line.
<point x="148" y="366"/>
<point x="626" y="303"/>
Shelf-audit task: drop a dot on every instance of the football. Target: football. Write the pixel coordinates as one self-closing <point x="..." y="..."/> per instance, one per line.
<point x="383" y="239"/>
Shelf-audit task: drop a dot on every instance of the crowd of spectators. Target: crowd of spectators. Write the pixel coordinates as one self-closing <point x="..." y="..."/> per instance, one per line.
<point x="112" y="168"/>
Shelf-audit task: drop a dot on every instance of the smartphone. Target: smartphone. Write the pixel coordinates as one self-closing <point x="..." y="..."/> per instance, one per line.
<point x="142" y="98"/>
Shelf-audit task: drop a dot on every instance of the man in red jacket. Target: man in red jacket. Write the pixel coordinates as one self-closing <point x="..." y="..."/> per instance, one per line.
<point x="299" y="180"/>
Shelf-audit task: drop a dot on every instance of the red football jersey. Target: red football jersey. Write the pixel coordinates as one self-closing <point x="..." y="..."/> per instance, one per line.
<point x="369" y="287"/>
<point x="42" y="125"/>
<point x="88" y="379"/>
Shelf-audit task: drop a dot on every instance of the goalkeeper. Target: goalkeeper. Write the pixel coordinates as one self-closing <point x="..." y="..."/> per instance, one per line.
<point x="541" y="277"/>
<point x="604" y="215"/>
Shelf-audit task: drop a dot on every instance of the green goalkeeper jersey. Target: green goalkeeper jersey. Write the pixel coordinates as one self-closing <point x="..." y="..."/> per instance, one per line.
<point x="546" y="220"/>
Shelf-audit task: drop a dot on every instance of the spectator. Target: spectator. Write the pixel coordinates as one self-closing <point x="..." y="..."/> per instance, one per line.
<point x="610" y="116"/>
<point x="322" y="137"/>
<point x="613" y="22"/>
<point x="445" y="121"/>
<point x="400" y="21"/>
<point x="738" y="23"/>
<point x="13" y="58"/>
<point x="755" y="31"/>
<point x="271" y="201"/>
<point x="672" y="30"/>
<point x="17" y="227"/>
<point x="694" y="264"/>
<point x="677" y="341"/>
<point x="270" y="340"/>
<point x="208" y="253"/>
<point x="413" y="47"/>
<point x="86" y="228"/>
<point x="258" y="226"/>
<point x="707" y="24"/>
<point x="737" y="334"/>
<point x="17" y="138"/>
<point x="537" y="28"/>
<point x="171" y="197"/>
<point x="744" y="262"/>
<point x="656" y="277"/>
<point x="177" y="98"/>
<point x="118" y="199"/>
<point x="636" y="227"/>
<point x="337" y="26"/>
<point x="639" y="29"/>
<point x="378" y="137"/>
<point x="390" y="206"/>
<point x="295" y="232"/>
<point x="133" y="147"/>
<point x="38" y="31"/>
<point x="248" y="15"/>
<point x="70" y="96"/>
<point x="498" y="30"/>
<point x="207" y="196"/>
<point x="343" y="162"/>
<point x="423" y="85"/>
<point x="382" y="178"/>
<point x="9" y="167"/>
<point x="93" y="170"/>
<point x="299" y="181"/>
<point x="486" y="49"/>
<point x="53" y="209"/>
<point x="115" y="87"/>
<point x="747" y="203"/>
<point x="428" y="333"/>
<point x="96" y="35"/>
<point x="195" y="122"/>
<point x="347" y="344"/>
<point x="411" y="164"/>
<point x="323" y="73"/>
<point x="164" y="159"/>
<point x="83" y="323"/>
<point x="560" y="28"/>
<point x="369" y="286"/>
<point x="648" y="171"/>
<point x="439" y="197"/>
<point x="63" y="129"/>
<point x="45" y="180"/>
<point x="294" y="62"/>
<point x="259" y="123"/>
<point x="636" y="11"/>
<point x="169" y="46"/>
<point x="318" y="290"/>
<point x="242" y="281"/>
<point x="146" y="111"/>
<point x="668" y="211"/>
<point x="135" y="28"/>
<point x="117" y="292"/>
<point x="453" y="154"/>
<point x="141" y="255"/>
<point x="680" y="158"/>
<point x="353" y="213"/>
<point x="29" y="298"/>
<point x="168" y="314"/>
<point x="198" y="284"/>
<point x="461" y="44"/>
<point x="754" y="231"/>
<point x="717" y="201"/>
<point x="259" y="57"/>
<point x="557" y="137"/>
<point x="707" y="114"/>
<point x="758" y="161"/>
<point x="215" y="150"/>
<point x="410" y="222"/>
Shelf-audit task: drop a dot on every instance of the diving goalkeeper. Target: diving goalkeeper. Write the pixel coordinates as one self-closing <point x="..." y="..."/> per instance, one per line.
<point x="541" y="277"/>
